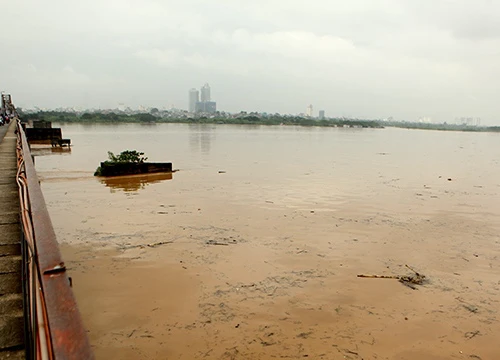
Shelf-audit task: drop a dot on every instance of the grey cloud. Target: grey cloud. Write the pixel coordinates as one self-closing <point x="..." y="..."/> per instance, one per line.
<point x="366" y="58"/>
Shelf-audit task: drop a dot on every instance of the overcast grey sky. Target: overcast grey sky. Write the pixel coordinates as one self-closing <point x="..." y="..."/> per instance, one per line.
<point x="360" y="58"/>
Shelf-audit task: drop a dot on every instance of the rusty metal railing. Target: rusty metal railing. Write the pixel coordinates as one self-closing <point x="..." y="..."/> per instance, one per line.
<point x="53" y="326"/>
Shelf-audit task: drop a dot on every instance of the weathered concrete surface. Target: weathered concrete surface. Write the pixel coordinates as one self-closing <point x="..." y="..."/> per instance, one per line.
<point x="12" y="355"/>
<point x="9" y="218"/>
<point x="11" y="329"/>
<point x="11" y="264"/>
<point x="119" y="169"/>
<point x="10" y="283"/>
<point x="9" y="234"/>
<point x="10" y="249"/>
<point x="11" y="304"/>
<point x="43" y="134"/>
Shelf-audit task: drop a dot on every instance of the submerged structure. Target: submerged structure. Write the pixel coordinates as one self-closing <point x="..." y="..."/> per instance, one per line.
<point x="117" y="169"/>
<point x="130" y="162"/>
<point x="42" y="132"/>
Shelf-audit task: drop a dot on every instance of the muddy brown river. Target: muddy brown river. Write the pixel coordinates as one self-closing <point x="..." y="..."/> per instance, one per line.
<point x="252" y="249"/>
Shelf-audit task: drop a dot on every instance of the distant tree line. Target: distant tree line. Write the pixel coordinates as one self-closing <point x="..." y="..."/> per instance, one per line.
<point x="111" y="117"/>
<point x="443" y="127"/>
<point x="278" y="120"/>
<point x="241" y="118"/>
<point x="94" y="117"/>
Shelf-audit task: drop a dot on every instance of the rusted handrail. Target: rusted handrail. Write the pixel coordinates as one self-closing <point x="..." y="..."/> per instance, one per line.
<point x="55" y="329"/>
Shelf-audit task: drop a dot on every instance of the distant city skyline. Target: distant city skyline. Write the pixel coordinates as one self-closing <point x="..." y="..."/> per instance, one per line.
<point x="203" y="104"/>
<point x="194" y="97"/>
<point x="210" y="108"/>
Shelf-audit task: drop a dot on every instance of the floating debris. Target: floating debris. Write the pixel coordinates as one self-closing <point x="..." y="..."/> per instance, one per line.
<point x="470" y="334"/>
<point x="213" y="242"/>
<point x="407" y="280"/>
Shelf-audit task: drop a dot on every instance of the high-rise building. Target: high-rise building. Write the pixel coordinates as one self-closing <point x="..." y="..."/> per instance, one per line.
<point x="203" y="105"/>
<point x="205" y="93"/>
<point x="209" y="107"/>
<point x="194" y="97"/>
<point x="309" y="111"/>
<point x="321" y="114"/>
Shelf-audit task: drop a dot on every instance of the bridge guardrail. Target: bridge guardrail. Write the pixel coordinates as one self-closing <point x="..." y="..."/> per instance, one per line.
<point x="53" y="325"/>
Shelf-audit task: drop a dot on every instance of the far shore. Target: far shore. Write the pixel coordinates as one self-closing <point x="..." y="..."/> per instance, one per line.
<point x="243" y="119"/>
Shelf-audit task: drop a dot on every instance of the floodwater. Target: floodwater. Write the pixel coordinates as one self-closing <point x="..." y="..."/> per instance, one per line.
<point x="252" y="249"/>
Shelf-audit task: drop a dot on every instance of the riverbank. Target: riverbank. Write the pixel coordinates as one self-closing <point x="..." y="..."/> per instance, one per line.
<point x="443" y="127"/>
<point x="245" y="119"/>
<point x="242" y="119"/>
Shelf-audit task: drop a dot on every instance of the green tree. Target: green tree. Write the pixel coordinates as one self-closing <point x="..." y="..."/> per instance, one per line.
<point x="127" y="156"/>
<point x="145" y="117"/>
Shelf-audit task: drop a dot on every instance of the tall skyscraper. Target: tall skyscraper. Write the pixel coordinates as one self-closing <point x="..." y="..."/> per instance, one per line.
<point x="203" y="105"/>
<point x="309" y="111"/>
<point x="321" y="114"/>
<point x="194" y="97"/>
<point x="209" y="107"/>
<point x="205" y="93"/>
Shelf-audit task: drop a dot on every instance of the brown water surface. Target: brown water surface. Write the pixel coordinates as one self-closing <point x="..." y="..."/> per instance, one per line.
<point x="251" y="250"/>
